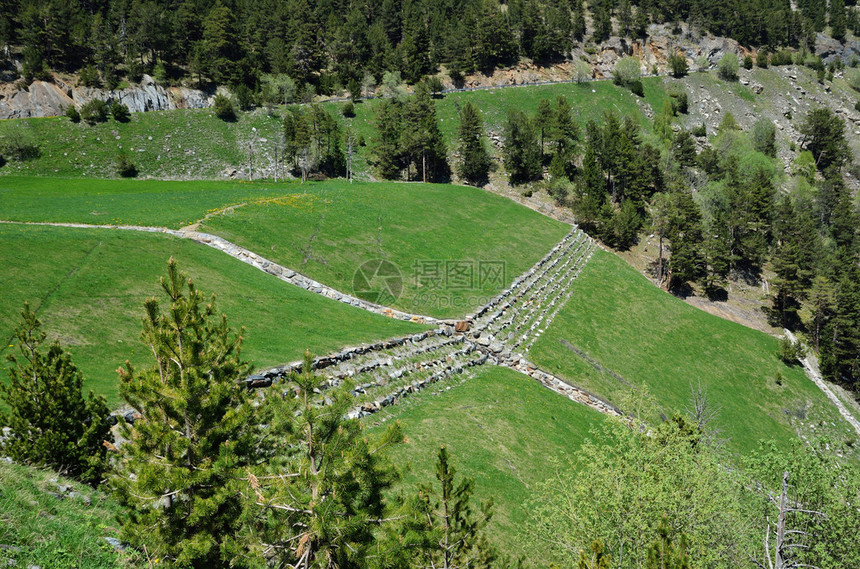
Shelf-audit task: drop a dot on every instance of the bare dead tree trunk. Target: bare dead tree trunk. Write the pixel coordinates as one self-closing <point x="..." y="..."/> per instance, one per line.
<point x="780" y="524"/>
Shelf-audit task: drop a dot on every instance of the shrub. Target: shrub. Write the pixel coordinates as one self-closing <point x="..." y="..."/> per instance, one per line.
<point x="748" y="62"/>
<point x="94" y="111"/>
<point x="348" y="109"/>
<point x="814" y="62"/>
<point x="244" y="98"/>
<point x="125" y="167"/>
<point x="72" y="114"/>
<point x="637" y="88"/>
<point x="159" y="73"/>
<point x="89" y="77"/>
<point x="120" y="112"/>
<point x="700" y="130"/>
<point x="435" y="85"/>
<point x="678" y="65"/>
<point x="857" y="106"/>
<point x="782" y="57"/>
<point x="19" y="144"/>
<point x="626" y="70"/>
<point x="680" y="103"/>
<point x="790" y="352"/>
<point x="223" y="108"/>
<point x="764" y="137"/>
<point x="727" y="68"/>
<point x="111" y="78"/>
<point x="51" y="422"/>
<point x="134" y="70"/>
<point x="761" y="59"/>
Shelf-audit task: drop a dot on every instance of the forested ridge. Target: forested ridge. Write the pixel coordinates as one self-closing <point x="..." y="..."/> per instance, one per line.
<point x="331" y="44"/>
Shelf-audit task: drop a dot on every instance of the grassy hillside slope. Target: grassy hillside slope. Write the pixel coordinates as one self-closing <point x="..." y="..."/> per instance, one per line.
<point x="195" y="144"/>
<point x="42" y="525"/>
<point x="500" y="427"/>
<point x="332" y="228"/>
<point x="621" y="320"/>
<point x="124" y="202"/>
<point x="89" y="287"/>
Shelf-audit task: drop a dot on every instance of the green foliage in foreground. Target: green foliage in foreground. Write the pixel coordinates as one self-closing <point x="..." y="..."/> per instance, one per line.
<point x="629" y="485"/>
<point x="619" y="487"/>
<point x="209" y="477"/>
<point x="51" y="423"/>
<point x="55" y="532"/>
<point x="613" y="318"/>
<point x="89" y="286"/>
<point x="177" y="473"/>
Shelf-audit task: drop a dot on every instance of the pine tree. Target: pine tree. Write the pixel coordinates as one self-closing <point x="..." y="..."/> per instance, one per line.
<point x="545" y="122"/>
<point x="840" y="345"/>
<point x="663" y="555"/>
<point x="566" y="129"/>
<point x="442" y="528"/>
<point x="521" y="149"/>
<point x="597" y="559"/>
<point x="321" y="493"/>
<point x="475" y="164"/>
<point x="421" y="139"/>
<point x="183" y="457"/>
<point x="824" y="135"/>
<point x="685" y="235"/>
<point x="51" y="423"/>
<point x="822" y="302"/>
<point x="838" y="19"/>
<point x="386" y="150"/>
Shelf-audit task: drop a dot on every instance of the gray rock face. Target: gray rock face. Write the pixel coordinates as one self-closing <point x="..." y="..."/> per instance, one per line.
<point x="830" y="50"/>
<point x="43" y="99"/>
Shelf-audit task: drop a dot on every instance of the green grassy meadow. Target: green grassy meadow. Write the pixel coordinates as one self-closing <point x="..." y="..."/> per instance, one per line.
<point x="646" y="336"/>
<point x="89" y="286"/>
<point x="160" y="203"/>
<point x="332" y="228"/>
<point x="499" y="427"/>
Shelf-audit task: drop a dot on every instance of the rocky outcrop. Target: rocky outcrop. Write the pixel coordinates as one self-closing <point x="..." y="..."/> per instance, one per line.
<point x="43" y="99"/>
<point x="830" y="49"/>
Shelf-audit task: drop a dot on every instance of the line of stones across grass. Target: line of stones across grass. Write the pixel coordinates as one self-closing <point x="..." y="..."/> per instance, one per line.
<point x="393" y="363"/>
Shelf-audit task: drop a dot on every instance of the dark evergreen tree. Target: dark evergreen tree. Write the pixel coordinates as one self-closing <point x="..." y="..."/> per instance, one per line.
<point x="521" y="149"/>
<point x="387" y="152"/>
<point x="824" y="135"/>
<point x="51" y="423"/>
<point x="838" y="21"/>
<point x="420" y="138"/>
<point x="475" y="165"/>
